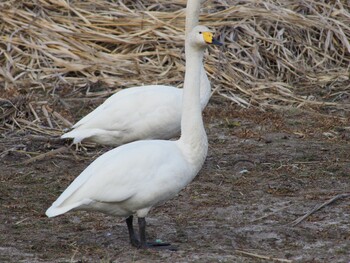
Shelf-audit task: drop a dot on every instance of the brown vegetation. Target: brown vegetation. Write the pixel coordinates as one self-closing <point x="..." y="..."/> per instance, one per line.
<point x="276" y="53"/>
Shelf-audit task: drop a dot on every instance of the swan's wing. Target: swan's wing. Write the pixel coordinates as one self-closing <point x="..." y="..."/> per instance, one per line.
<point x="112" y="99"/>
<point x="99" y="165"/>
<point x="123" y="173"/>
<point x="125" y="101"/>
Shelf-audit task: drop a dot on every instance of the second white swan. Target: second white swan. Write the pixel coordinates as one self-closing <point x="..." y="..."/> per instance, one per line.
<point x="140" y="113"/>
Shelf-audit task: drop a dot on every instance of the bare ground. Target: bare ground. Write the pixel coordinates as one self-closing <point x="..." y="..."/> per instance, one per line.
<point x="263" y="171"/>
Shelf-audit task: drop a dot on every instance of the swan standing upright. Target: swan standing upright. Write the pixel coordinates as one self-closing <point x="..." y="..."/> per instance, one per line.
<point x="131" y="179"/>
<point x="140" y="113"/>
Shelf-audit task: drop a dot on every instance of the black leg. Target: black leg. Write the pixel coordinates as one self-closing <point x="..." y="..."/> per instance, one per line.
<point x="143" y="242"/>
<point x="133" y="240"/>
<point x="142" y="230"/>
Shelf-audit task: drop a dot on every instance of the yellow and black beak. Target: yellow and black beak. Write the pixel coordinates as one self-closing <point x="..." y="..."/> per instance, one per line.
<point x="209" y="39"/>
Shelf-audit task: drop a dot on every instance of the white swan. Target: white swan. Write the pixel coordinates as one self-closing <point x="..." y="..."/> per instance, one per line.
<point x="140" y="113"/>
<point x="133" y="178"/>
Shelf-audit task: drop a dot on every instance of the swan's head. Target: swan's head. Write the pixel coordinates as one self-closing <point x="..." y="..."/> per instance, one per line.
<point x="202" y="36"/>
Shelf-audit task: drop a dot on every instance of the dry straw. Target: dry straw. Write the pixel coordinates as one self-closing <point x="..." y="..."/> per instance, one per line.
<point x="277" y="52"/>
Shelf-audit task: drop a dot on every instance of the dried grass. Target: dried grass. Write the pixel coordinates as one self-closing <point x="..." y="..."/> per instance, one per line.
<point x="277" y="53"/>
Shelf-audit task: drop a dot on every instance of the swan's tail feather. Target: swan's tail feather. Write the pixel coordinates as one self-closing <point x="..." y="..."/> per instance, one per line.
<point x="56" y="211"/>
<point x="59" y="210"/>
<point x="79" y="135"/>
<point x="100" y="136"/>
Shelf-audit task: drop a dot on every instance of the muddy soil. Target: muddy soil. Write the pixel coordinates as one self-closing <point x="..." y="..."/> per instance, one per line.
<point x="263" y="171"/>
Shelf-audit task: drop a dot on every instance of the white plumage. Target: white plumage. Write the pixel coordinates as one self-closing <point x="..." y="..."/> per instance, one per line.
<point x="127" y="179"/>
<point x="140" y="113"/>
<point x="130" y="115"/>
<point x="133" y="178"/>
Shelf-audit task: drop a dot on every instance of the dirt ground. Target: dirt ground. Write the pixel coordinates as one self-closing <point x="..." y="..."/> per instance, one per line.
<point x="264" y="170"/>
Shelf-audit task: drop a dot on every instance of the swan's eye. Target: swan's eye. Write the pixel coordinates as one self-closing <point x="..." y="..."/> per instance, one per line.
<point x="200" y="32"/>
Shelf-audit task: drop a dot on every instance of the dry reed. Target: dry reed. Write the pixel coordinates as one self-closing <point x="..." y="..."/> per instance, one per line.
<point x="277" y="52"/>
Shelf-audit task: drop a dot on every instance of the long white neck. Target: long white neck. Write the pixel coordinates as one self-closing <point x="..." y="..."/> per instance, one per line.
<point x="192" y="15"/>
<point x="193" y="137"/>
<point x="192" y="18"/>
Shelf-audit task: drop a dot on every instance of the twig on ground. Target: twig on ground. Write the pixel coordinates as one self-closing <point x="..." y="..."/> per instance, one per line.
<point x="33" y="112"/>
<point x="44" y="138"/>
<point x="318" y="207"/>
<point x="262" y="256"/>
<point x="44" y="155"/>
<point x="46" y="114"/>
<point x="272" y="213"/>
<point x="7" y="151"/>
<point x="61" y="118"/>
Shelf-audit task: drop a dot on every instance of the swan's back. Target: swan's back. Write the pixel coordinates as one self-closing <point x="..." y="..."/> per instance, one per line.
<point x="147" y="112"/>
<point x="113" y="101"/>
